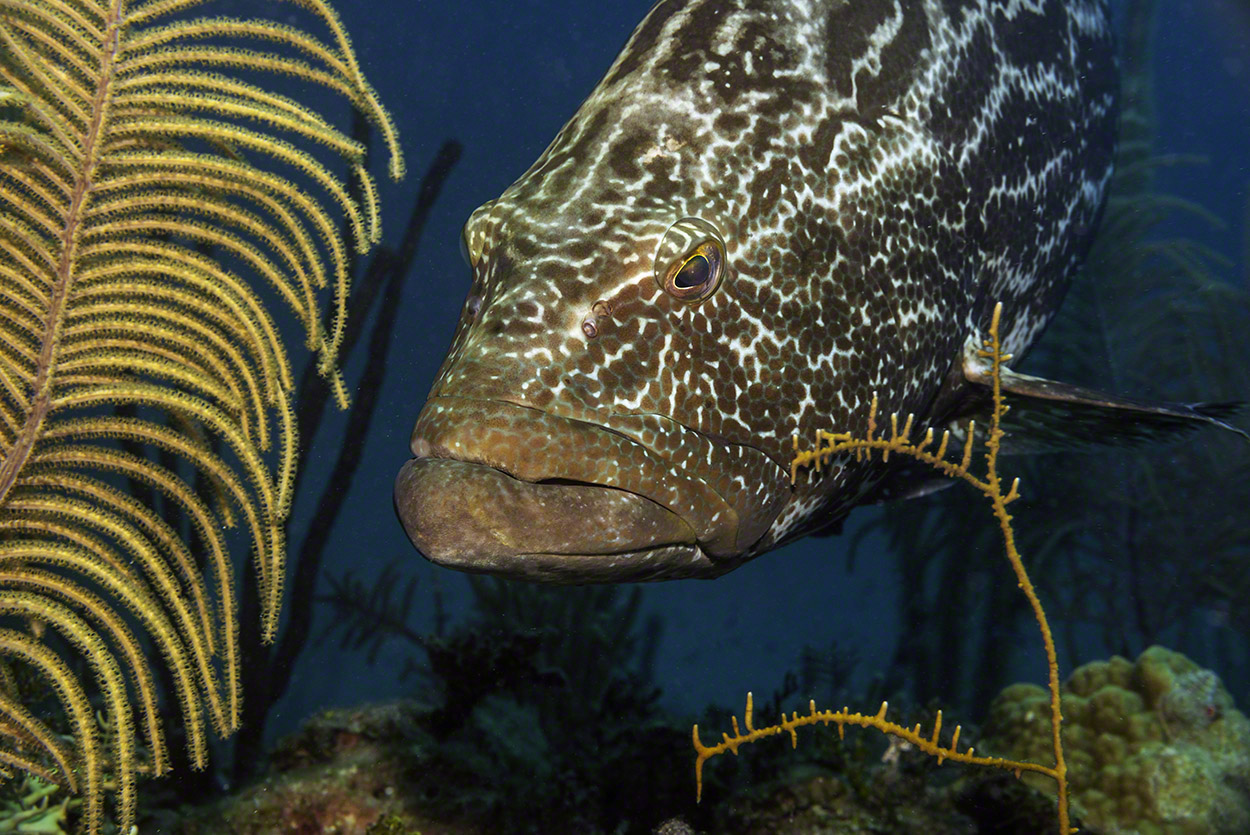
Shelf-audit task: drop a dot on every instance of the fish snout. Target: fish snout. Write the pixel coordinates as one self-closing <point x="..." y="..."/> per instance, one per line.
<point x="508" y="489"/>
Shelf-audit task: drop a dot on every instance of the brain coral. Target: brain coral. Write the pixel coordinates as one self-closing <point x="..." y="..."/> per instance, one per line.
<point x="1153" y="747"/>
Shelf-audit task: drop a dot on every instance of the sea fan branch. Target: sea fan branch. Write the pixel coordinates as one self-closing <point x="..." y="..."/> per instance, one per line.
<point x="25" y="728"/>
<point x="87" y="775"/>
<point x="899" y="442"/>
<point x="134" y="164"/>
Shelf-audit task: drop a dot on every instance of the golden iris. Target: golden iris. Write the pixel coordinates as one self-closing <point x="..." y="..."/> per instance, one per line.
<point x="691" y="261"/>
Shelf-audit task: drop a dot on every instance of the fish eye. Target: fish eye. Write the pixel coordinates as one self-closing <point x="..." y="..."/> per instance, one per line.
<point x="691" y="260"/>
<point x="695" y="276"/>
<point x="690" y="263"/>
<point x="695" y="273"/>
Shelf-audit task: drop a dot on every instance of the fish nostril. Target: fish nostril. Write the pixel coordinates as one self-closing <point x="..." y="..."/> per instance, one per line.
<point x="590" y="326"/>
<point x="598" y="311"/>
<point x="473" y="305"/>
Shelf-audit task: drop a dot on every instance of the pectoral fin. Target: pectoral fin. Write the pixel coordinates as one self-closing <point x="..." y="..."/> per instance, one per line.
<point x="1045" y="415"/>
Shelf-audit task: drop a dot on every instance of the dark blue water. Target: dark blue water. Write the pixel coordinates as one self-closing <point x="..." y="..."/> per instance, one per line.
<point x="502" y="76"/>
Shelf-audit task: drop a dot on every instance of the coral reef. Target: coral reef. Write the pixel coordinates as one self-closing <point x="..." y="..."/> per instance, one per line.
<point x="370" y="770"/>
<point x="35" y="805"/>
<point x="347" y="772"/>
<point x="1154" y="747"/>
<point x="825" y="804"/>
<point x="541" y="713"/>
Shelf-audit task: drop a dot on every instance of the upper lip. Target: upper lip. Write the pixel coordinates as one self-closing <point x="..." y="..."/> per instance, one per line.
<point x="425" y="444"/>
<point x="514" y="438"/>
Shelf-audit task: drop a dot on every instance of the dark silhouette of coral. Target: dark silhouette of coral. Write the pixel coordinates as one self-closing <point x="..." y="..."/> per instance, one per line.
<point x="542" y="716"/>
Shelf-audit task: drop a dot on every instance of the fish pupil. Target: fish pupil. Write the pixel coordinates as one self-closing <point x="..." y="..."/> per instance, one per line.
<point x="693" y="273"/>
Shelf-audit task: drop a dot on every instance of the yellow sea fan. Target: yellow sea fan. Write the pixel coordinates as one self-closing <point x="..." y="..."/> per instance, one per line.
<point x="157" y="208"/>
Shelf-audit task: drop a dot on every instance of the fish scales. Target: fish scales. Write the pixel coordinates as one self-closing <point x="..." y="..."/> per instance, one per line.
<point x="766" y="213"/>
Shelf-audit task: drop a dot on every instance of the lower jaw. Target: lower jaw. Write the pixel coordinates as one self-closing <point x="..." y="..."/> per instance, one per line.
<point x="476" y="518"/>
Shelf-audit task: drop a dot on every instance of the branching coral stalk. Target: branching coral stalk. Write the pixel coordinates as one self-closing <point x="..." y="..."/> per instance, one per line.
<point x="899" y="442"/>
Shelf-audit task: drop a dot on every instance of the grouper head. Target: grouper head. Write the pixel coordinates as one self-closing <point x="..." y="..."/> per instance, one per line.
<point x="609" y="407"/>
<point x="577" y="429"/>
<point x="760" y="218"/>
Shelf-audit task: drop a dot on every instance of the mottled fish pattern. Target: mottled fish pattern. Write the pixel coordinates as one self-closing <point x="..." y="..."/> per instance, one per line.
<point x="874" y="177"/>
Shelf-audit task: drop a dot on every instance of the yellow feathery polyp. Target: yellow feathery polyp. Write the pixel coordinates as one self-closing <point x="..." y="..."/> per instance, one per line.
<point x="160" y="209"/>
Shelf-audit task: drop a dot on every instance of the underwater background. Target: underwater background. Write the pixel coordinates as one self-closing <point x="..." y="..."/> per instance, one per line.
<point x="565" y="709"/>
<point x="913" y="602"/>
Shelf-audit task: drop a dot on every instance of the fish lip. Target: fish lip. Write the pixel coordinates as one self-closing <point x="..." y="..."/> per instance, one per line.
<point x="599" y="505"/>
<point x="507" y="531"/>
<point x="524" y="442"/>
<point x="466" y="437"/>
<point x="729" y="498"/>
<point x="422" y="447"/>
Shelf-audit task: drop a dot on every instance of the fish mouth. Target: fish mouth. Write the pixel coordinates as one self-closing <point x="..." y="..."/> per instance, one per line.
<point x="503" y="488"/>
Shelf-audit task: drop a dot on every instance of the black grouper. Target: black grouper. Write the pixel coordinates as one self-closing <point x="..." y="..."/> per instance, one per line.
<point x="766" y="212"/>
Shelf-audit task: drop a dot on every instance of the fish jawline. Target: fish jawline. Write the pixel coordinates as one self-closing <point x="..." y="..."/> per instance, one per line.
<point x="474" y="517"/>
